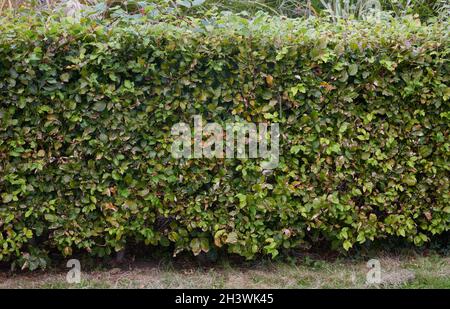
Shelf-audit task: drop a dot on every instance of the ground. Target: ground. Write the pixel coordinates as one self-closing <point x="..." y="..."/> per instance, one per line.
<point x="398" y="271"/>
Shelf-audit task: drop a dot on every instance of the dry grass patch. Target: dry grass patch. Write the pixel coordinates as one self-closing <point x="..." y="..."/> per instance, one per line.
<point x="397" y="272"/>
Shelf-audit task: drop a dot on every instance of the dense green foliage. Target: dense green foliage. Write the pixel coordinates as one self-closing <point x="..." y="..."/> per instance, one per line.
<point x="86" y="112"/>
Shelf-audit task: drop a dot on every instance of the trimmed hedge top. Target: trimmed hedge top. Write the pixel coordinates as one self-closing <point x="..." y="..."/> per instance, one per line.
<point x="86" y="111"/>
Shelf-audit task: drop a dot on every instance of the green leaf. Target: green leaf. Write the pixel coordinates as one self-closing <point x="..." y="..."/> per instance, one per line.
<point x="6" y="197"/>
<point x="128" y="84"/>
<point x="65" y="77"/>
<point x="50" y="218"/>
<point x="410" y="180"/>
<point x="352" y="69"/>
<point x="232" y="238"/>
<point x="361" y="238"/>
<point x="347" y="245"/>
<point x="99" y="106"/>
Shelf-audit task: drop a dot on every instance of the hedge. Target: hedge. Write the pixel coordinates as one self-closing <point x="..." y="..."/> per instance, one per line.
<point x="86" y="111"/>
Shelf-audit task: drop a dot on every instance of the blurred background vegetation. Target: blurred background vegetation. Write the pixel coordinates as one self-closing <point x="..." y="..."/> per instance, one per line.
<point x="334" y="9"/>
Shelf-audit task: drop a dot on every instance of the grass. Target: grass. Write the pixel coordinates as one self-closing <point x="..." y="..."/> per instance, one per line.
<point x="398" y="271"/>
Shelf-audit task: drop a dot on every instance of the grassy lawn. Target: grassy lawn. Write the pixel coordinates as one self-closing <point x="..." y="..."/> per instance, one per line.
<point x="405" y="271"/>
